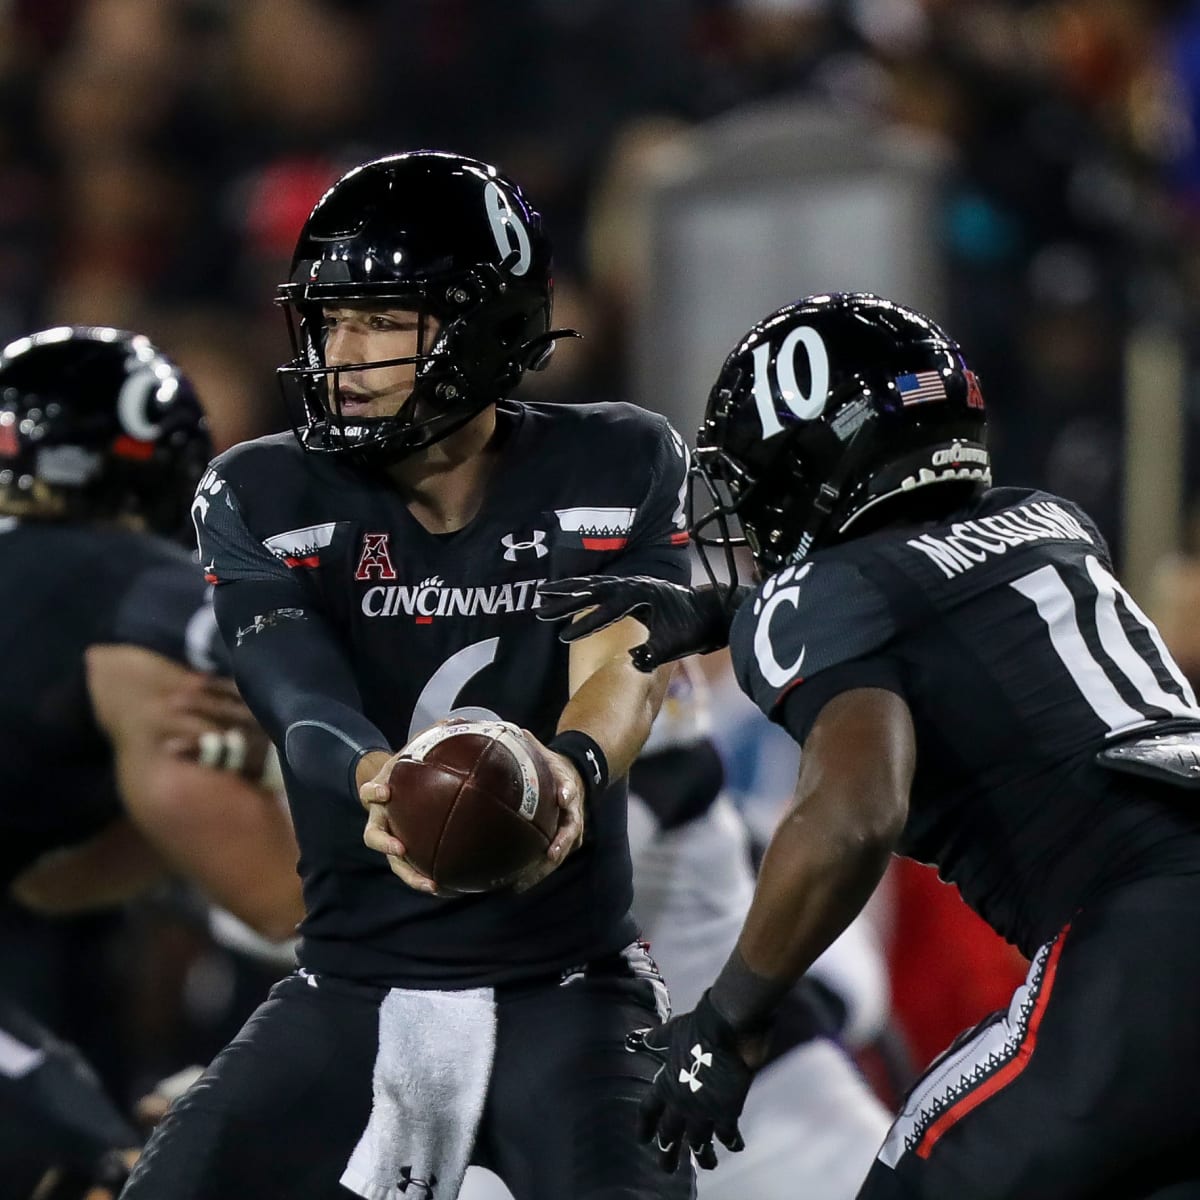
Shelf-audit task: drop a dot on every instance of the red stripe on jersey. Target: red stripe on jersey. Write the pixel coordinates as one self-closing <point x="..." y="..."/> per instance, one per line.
<point x="310" y="560"/>
<point x="127" y="447"/>
<point x="424" y="620"/>
<point x="605" y="543"/>
<point x="680" y="539"/>
<point x="1008" y="1072"/>
<point x="787" y="691"/>
<point x="209" y="577"/>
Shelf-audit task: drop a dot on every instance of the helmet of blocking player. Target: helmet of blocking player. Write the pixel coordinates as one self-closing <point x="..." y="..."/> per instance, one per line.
<point x="832" y="416"/>
<point x="448" y="238"/>
<point x="99" y="422"/>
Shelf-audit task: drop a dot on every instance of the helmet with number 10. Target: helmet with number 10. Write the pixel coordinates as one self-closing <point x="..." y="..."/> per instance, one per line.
<point x="833" y="416"/>
<point x="446" y="238"/>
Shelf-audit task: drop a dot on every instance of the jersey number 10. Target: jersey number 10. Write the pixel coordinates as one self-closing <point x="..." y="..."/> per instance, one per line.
<point x="1059" y="609"/>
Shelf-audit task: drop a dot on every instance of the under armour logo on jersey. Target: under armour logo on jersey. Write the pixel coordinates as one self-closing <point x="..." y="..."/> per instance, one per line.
<point x="418" y="1187"/>
<point x="700" y="1059"/>
<point x="375" y="557"/>
<point x="536" y="543"/>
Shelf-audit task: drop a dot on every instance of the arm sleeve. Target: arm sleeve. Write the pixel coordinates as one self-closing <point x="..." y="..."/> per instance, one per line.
<point x="289" y="665"/>
<point x="658" y="541"/>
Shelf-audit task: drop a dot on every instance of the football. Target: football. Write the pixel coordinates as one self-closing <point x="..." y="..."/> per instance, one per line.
<point x="474" y="804"/>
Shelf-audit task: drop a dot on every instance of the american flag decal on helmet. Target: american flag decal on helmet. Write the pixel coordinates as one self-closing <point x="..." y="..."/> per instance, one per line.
<point x="920" y="386"/>
<point x="596" y="528"/>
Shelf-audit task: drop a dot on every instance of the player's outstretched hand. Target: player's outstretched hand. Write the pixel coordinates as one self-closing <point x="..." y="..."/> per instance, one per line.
<point x="700" y="1087"/>
<point x="681" y="620"/>
<point x="374" y="793"/>
<point x="569" y="835"/>
<point x="206" y="721"/>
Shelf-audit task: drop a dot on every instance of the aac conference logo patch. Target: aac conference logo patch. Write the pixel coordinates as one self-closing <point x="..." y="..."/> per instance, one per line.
<point x="375" y="559"/>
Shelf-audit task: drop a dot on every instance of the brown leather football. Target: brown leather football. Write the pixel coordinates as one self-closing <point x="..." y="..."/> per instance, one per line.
<point x="474" y="804"/>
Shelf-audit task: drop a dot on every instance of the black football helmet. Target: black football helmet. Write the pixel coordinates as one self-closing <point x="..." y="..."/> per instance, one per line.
<point x="441" y="235"/>
<point x="832" y="416"/>
<point x="97" y="422"/>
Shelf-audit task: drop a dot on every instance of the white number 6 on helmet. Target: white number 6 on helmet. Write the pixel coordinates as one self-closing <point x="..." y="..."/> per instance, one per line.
<point x="507" y="228"/>
<point x="804" y="405"/>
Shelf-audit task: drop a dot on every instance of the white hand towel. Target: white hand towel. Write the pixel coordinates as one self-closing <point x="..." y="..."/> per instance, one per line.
<point x="431" y="1078"/>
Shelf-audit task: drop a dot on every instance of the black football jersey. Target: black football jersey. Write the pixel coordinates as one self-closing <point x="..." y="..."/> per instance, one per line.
<point x="431" y="624"/>
<point x="1021" y="657"/>
<point x="65" y="588"/>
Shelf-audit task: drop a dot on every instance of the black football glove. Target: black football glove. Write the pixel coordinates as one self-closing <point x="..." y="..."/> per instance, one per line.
<point x="700" y="1088"/>
<point x="681" y="620"/>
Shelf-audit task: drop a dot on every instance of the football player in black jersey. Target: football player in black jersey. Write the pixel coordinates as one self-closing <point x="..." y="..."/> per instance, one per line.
<point x="971" y="687"/>
<point x="108" y="643"/>
<point x="375" y="572"/>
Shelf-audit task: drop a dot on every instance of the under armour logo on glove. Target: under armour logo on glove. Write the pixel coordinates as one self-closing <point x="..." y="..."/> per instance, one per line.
<point x="682" y="1108"/>
<point x="419" y="1187"/>
<point x="699" y="1060"/>
<point x="536" y="543"/>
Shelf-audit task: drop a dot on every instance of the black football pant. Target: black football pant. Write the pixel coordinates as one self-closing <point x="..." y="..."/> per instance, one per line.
<point x="280" y="1110"/>
<point x="1088" y="1088"/>
<point x="53" y="1110"/>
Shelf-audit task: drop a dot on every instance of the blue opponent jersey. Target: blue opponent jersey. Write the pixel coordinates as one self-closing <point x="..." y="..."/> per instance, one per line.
<point x="432" y="623"/>
<point x="1021" y="657"/>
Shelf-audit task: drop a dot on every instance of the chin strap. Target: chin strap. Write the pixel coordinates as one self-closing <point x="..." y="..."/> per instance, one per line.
<point x="829" y="494"/>
<point x="536" y="353"/>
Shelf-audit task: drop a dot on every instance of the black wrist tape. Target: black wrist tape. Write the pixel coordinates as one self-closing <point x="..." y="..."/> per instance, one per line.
<point x="585" y="753"/>
<point x="744" y="998"/>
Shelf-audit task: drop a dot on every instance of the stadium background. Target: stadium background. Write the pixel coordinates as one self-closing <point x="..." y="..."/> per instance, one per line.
<point x="1028" y="170"/>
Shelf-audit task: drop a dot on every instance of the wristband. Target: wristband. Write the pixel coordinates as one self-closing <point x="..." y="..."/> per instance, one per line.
<point x="746" y="999"/>
<point x="585" y="755"/>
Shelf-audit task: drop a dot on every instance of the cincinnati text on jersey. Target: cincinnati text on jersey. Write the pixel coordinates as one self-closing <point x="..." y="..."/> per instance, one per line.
<point x="432" y="598"/>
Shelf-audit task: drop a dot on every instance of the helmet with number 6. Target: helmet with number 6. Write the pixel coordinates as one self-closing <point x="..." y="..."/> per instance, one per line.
<point x="833" y="416"/>
<point x="97" y="422"/>
<point x="446" y="237"/>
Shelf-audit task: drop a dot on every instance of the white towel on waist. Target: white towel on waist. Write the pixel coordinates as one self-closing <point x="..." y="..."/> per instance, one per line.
<point x="431" y="1078"/>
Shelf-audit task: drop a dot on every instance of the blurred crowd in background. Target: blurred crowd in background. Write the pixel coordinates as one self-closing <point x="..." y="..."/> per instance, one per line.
<point x="157" y="158"/>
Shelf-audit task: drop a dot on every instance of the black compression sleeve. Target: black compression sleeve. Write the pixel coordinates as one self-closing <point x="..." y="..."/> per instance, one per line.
<point x="294" y="676"/>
